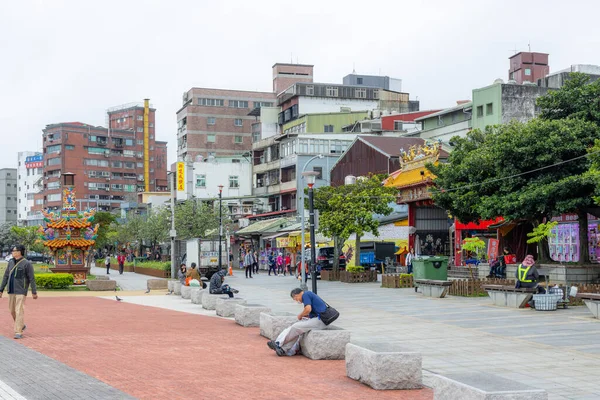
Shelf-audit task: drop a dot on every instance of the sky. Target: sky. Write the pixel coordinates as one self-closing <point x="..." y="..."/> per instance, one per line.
<point x="70" y="60"/>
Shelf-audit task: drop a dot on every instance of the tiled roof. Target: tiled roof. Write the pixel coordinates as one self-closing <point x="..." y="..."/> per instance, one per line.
<point x="59" y="243"/>
<point x="73" y="223"/>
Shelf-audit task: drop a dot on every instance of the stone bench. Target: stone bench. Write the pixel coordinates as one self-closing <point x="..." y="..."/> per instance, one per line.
<point x="325" y="344"/>
<point x="197" y="294"/>
<point x="157" y="284"/>
<point x="384" y="366"/>
<point x="171" y="285"/>
<point x="509" y="296"/>
<point x="272" y="324"/>
<point x="177" y="288"/>
<point x="592" y="301"/>
<point x="209" y="301"/>
<point x="249" y="314"/>
<point x="479" y="386"/>
<point x="102" y="278"/>
<point x="226" y="306"/>
<point x="186" y="292"/>
<point x="433" y="288"/>
<point x="100" y="285"/>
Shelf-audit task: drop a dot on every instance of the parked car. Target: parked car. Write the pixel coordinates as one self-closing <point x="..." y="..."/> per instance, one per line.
<point x="37" y="257"/>
<point x="325" y="259"/>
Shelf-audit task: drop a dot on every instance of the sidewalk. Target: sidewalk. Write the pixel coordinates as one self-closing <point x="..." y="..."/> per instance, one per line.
<point x="127" y="281"/>
<point x="556" y="351"/>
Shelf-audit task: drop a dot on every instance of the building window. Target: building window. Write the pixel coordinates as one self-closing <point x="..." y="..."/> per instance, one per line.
<point x="259" y="104"/>
<point x="310" y="90"/>
<point x="201" y="181"/>
<point x="53" y="185"/>
<point x="319" y="170"/>
<point x="489" y="109"/>
<point x="69" y="147"/>
<point x="140" y="129"/>
<point x="129" y="142"/>
<point x="238" y="103"/>
<point x="140" y="165"/>
<point x="210" y="102"/>
<point x="328" y="128"/>
<point x="211" y="120"/>
<point x="237" y="122"/>
<point x="331" y="91"/>
<point x="54" y="197"/>
<point x="527" y="71"/>
<point x="140" y="117"/>
<point x="239" y="139"/>
<point x="211" y="138"/>
<point x="54" y="161"/>
<point x="140" y="142"/>
<point x="53" y="149"/>
<point x="397" y="125"/>
<point x="360" y="93"/>
<point x="359" y="81"/>
<point x="234" y="181"/>
<point x="440" y="120"/>
<point x="128" y="153"/>
<point x="479" y="111"/>
<point x="376" y="94"/>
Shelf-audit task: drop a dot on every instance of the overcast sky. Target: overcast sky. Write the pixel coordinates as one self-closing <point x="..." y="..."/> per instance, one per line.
<point x="69" y="60"/>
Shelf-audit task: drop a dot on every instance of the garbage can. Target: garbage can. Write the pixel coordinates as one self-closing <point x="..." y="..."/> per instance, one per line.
<point x="434" y="268"/>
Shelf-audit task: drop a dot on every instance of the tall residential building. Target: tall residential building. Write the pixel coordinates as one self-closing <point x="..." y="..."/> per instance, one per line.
<point x="30" y="181"/>
<point x="528" y="67"/>
<point x="382" y="82"/>
<point x="109" y="163"/>
<point x="8" y="195"/>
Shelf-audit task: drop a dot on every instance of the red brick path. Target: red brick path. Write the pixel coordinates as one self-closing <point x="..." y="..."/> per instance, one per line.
<point x="154" y="353"/>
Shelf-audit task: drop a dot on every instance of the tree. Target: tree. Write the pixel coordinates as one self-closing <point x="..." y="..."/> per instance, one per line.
<point x="194" y="218"/>
<point x="156" y="227"/>
<point x="131" y="231"/>
<point x="25" y="235"/>
<point x="352" y="209"/>
<point x="6" y="237"/>
<point x="106" y="221"/>
<point x="577" y="99"/>
<point x="529" y="171"/>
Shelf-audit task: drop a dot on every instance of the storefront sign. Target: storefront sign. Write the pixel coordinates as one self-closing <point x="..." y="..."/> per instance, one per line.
<point x="36" y="164"/>
<point x="413" y="194"/>
<point x="283" y="242"/>
<point x="492" y="252"/>
<point x="180" y="176"/>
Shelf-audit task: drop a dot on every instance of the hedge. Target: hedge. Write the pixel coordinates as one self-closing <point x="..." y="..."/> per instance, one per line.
<point x="160" y="265"/>
<point x="54" y="281"/>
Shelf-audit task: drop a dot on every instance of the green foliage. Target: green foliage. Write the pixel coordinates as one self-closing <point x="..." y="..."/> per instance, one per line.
<point x="5" y="236"/>
<point x="54" y="281"/>
<point x="355" y="269"/>
<point x="160" y="265"/>
<point x="474" y="245"/>
<point x="25" y="235"/>
<point x="156" y="226"/>
<point x="105" y="219"/>
<point x="577" y="99"/>
<point x="194" y="218"/>
<point x="541" y="232"/>
<point x="405" y="275"/>
<point x="130" y="232"/>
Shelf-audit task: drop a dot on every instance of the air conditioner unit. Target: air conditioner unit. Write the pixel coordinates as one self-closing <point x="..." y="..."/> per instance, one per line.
<point x="259" y="181"/>
<point x="262" y="159"/>
<point x="235" y="210"/>
<point x="138" y="156"/>
<point x="247" y="210"/>
<point x="107" y="179"/>
<point x="107" y="189"/>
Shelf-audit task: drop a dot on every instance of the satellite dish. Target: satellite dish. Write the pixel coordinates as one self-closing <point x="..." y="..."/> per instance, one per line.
<point x="498" y="81"/>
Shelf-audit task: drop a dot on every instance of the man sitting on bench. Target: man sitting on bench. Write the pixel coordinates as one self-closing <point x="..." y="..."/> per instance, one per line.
<point x="528" y="276"/>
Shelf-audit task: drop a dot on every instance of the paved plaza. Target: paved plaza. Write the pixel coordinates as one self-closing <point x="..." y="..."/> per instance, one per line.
<point x="160" y="346"/>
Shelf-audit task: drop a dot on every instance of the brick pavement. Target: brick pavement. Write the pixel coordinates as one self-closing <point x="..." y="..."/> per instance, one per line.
<point x="153" y="353"/>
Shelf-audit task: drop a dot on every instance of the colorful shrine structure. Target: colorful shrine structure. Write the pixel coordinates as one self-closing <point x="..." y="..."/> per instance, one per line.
<point x="69" y="234"/>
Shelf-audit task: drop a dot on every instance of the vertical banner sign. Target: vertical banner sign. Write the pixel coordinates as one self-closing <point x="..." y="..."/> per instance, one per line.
<point x="492" y="253"/>
<point x="180" y="177"/>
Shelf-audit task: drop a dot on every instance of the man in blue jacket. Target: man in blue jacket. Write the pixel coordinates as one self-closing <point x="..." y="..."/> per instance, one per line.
<point x="18" y="276"/>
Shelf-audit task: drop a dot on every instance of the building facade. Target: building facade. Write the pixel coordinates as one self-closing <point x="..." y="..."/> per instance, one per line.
<point x="445" y="124"/>
<point x="30" y="181"/>
<point x="557" y="79"/>
<point x="383" y="82"/>
<point x="109" y="163"/>
<point x="285" y="75"/>
<point x="8" y="196"/>
<point x="528" y="67"/>
<point x="324" y="122"/>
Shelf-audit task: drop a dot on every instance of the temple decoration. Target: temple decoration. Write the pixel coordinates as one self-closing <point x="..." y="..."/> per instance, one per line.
<point x="69" y="234"/>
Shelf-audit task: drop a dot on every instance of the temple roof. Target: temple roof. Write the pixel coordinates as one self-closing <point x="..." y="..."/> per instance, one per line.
<point x="73" y="223"/>
<point x="60" y="243"/>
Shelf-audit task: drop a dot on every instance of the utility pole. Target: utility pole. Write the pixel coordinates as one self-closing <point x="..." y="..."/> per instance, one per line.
<point x="172" y="232"/>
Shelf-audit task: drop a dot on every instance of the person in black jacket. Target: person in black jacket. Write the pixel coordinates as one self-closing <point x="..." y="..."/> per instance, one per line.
<point x="18" y="276"/>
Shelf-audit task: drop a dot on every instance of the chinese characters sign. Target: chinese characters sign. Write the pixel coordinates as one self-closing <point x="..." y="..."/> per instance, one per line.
<point x="180" y="176"/>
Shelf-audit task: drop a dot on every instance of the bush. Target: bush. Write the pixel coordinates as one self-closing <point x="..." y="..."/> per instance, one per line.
<point x="160" y="265"/>
<point x="405" y="275"/>
<point x="54" y="281"/>
<point x="355" y="269"/>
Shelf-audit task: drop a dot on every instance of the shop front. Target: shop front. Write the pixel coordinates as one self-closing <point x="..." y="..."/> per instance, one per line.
<point x="564" y="243"/>
<point x="480" y="230"/>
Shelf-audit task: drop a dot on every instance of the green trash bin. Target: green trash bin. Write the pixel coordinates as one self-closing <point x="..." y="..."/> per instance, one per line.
<point x="434" y="268"/>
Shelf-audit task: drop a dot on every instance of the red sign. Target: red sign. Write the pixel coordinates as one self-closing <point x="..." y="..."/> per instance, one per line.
<point x="492" y="252"/>
<point x="37" y="164"/>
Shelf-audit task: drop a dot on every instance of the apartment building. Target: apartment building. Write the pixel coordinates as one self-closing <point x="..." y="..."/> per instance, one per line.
<point x="8" y="195"/>
<point x="30" y="174"/>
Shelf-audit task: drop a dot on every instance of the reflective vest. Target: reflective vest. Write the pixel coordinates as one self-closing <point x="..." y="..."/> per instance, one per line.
<point x="523" y="274"/>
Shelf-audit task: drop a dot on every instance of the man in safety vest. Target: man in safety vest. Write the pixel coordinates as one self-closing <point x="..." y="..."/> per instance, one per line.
<point x="527" y="274"/>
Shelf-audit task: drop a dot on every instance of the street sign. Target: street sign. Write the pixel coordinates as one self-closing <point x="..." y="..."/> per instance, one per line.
<point x="180" y="177"/>
<point x="172" y="233"/>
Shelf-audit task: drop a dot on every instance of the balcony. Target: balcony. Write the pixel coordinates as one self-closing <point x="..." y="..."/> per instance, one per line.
<point x="260" y="168"/>
<point x="288" y="185"/>
<point x="288" y="161"/>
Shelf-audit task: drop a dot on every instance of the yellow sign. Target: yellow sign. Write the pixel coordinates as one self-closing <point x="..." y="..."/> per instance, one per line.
<point x="180" y="176"/>
<point x="283" y="242"/>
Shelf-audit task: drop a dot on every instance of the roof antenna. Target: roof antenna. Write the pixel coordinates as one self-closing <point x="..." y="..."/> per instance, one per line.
<point x="354" y="68"/>
<point x="529" y="45"/>
<point x="291" y="58"/>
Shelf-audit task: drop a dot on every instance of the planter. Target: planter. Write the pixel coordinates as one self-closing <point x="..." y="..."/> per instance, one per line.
<point x="157" y="273"/>
<point x="358" y="277"/>
<point x="396" y="281"/>
<point x="330" y="275"/>
<point x="126" y="268"/>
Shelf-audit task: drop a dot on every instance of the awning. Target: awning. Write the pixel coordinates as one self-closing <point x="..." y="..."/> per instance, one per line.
<point x="278" y="234"/>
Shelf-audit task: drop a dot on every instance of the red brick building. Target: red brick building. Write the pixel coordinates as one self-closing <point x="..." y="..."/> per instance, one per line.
<point x="108" y="162"/>
<point x="528" y="67"/>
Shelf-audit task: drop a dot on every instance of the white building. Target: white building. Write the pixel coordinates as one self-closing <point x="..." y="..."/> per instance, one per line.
<point x="29" y="182"/>
<point x="8" y="195"/>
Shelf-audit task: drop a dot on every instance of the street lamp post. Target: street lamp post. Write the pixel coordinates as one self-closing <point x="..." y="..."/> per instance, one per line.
<point x="220" y="227"/>
<point x="173" y="232"/>
<point x="311" y="177"/>
<point x="302" y="265"/>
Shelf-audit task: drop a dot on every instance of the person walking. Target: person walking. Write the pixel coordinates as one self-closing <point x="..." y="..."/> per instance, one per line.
<point x="280" y="263"/>
<point x="315" y="315"/>
<point x="249" y="263"/>
<point x="272" y="264"/>
<point x="409" y="260"/>
<point x="255" y="265"/>
<point x="18" y="276"/>
<point x="107" y="264"/>
<point x="121" y="261"/>
<point x="288" y="263"/>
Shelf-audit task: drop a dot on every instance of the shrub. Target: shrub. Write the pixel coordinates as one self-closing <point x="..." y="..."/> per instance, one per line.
<point x="54" y="281"/>
<point x="355" y="269"/>
<point x="160" y="265"/>
<point x="405" y="275"/>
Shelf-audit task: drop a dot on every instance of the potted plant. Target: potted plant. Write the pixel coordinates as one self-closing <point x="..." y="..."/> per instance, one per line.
<point x="358" y="274"/>
<point x="473" y="245"/>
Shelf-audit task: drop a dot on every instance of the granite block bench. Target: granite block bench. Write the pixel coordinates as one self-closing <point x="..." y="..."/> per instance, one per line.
<point x="100" y="285"/>
<point x="509" y="296"/>
<point x="272" y="324"/>
<point x="186" y="292"/>
<point x="249" y="314"/>
<point x="325" y="344"/>
<point x="433" y="288"/>
<point x="479" y="386"/>
<point x="177" y="288"/>
<point x="171" y="285"/>
<point x="197" y="293"/>
<point x="592" y="301"/>
<point x="226" y="306"/>
<point x="209" y="301"/>
<point x="384" y="366"/>
<point x="157" y="284"/>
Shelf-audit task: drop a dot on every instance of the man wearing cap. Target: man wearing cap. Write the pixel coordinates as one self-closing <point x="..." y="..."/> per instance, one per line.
<point x="18" y="276"/>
